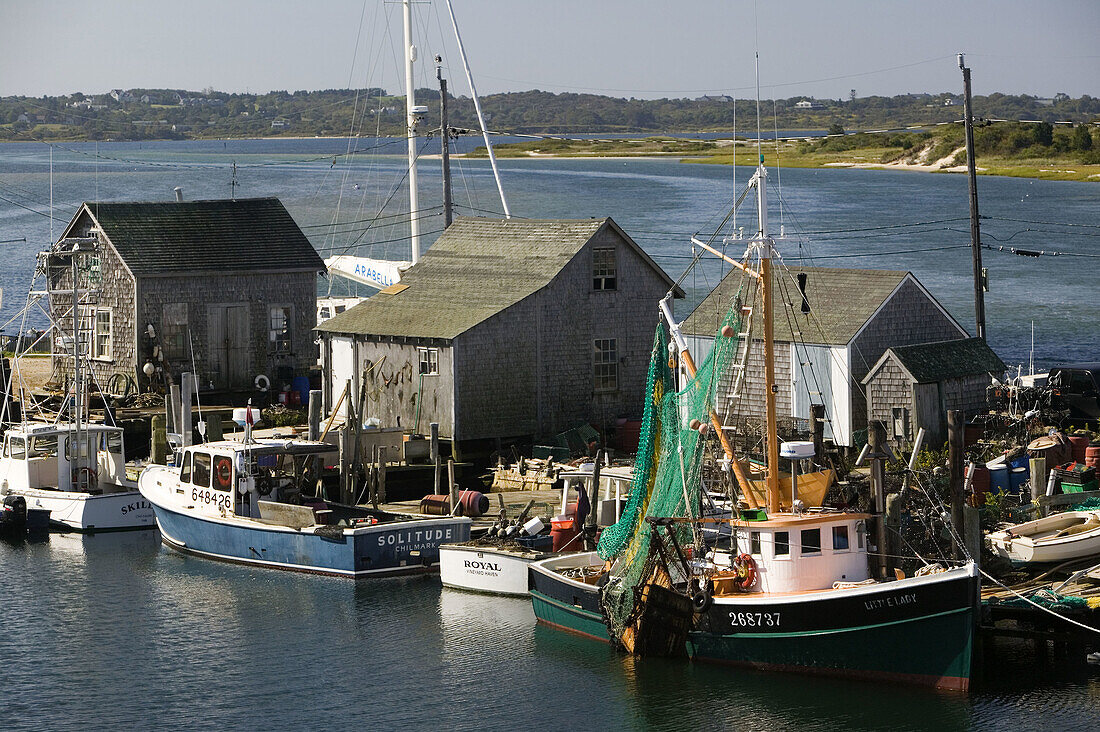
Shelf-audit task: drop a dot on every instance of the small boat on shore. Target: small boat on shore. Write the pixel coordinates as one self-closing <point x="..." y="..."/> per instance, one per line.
<point x="1069" y="535"/>
<point x="255" y="502"/>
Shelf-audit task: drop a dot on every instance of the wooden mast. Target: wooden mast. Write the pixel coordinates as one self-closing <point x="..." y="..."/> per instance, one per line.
<point x="766" y="251"/>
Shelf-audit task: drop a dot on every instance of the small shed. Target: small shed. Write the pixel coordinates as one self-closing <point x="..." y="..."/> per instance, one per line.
<point x="914" y="386"/>
<point x="224" y="288"/>
<point x="825" y="343"/>
<point x="505" y="329"/>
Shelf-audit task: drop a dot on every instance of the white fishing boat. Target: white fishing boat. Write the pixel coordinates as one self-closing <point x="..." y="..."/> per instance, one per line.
<point x="72" y="466"/>
<point x="1069" y="535"/>
<point x="499" y="565"/>
<point x="77" y="474"/>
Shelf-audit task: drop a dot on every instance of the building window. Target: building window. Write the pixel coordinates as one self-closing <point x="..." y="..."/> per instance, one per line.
<point x="603" y="268"/>
<point x="278" y="338"/>
<point x="174" y="342"/>
<point x="840" y="538"/>
<point x="101" y="345"/>
<point x="811" y="541"/>
<point x="429" y="361"/>
<point x="782" y="543"/>
<point x="901" y="423"/>
<point x="605" y="361"/>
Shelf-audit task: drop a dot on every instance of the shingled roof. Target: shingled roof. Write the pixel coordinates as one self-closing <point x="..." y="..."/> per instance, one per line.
<point x="477" y="268"/>
<point x="841" y="301"/>
<point x="167" y="237"/>
<point x="928" y="363"/>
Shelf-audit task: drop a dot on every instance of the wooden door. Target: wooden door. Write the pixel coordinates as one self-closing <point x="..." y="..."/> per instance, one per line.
<point x="228" y="332"/>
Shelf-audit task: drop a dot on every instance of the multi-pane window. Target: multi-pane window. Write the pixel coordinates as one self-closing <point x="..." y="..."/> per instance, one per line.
<point x="603" y="268"/>
<point x="429" y="361"/>
<point x="278" y="339"/>
<point x="101" y="345"/>
<point x="173" y="332"/>
<point x="605" y="360"/>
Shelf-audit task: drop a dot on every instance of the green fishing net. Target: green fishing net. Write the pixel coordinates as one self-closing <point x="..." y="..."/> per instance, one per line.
<point x="667" y="471"/>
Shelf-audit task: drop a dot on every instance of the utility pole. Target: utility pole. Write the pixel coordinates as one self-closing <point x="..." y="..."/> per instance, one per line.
<point x="975" y="230"/>
<point x="445" y="138"/>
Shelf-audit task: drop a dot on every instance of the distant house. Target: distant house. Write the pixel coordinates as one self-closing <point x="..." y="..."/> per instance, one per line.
<point x="223" y="288"/>
<point x="822" y="355"/>
<point x="912" y="387"/>
<point x="505" y="329"/>
<point x="809" y="104"/>
<point x="278" y="124"/>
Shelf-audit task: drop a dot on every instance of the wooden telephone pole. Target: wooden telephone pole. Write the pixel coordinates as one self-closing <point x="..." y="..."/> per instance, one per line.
<point x="975" y="229"/>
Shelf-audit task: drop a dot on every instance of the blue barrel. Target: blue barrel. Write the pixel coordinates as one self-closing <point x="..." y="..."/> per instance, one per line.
<point x="999" y="479"/>
<point x="300" y="384"/>
<point x="1017" y="477"/>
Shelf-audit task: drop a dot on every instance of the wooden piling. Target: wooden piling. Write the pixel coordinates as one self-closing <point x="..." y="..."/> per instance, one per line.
<point x="876" y="437"/>
<point x="158" y="441"/>
<point x="381" y="474"/>
<point x="452" y="491"/>
<point x="214" y="432"/>
<point x="434" y="430"/>
<point x="315" y="396"/>
<point x="956" y="454"/>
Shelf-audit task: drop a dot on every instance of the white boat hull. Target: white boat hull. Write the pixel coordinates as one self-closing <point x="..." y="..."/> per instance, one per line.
<point x="84" y="512"/>
<point x="1069" y="535"/>
<point x="493" y="570"/>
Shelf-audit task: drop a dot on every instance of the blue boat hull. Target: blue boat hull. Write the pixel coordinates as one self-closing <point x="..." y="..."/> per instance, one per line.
<point x="405" y="547"/>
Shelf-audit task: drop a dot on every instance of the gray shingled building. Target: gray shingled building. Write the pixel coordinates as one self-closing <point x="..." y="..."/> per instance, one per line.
<point x="914" y="386"/>
<point x="505" y="329"/>
<point x="233" y="280"/>
<point x="822" y="355"/>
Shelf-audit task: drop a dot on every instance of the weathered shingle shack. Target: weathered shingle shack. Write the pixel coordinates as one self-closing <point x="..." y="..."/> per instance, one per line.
<point x="914" y="386"/>
<point x="234" y="280"/>
<point x="825" y="347"/>
<point x="505" y="329"/>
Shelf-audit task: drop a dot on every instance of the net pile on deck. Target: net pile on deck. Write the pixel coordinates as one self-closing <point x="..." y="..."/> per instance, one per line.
<point x="667" y="472"/>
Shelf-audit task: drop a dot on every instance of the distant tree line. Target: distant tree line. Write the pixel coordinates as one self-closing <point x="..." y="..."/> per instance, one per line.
<point x="140" y="114"/>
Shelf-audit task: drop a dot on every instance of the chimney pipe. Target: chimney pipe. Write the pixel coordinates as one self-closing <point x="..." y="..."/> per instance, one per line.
<point x="179" y="194"/>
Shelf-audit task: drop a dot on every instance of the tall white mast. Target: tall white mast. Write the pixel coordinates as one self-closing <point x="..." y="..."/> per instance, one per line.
<point x="410" y="119"/>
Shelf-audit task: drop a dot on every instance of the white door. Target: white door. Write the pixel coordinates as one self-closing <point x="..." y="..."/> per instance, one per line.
<point x="818" y="377"/>
<point x="342" y="368"/>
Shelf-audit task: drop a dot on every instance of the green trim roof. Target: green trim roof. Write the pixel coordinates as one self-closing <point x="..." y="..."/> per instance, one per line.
<point x="928" y="363"/>
<point x="477" y="268"/>
<point x="250" y="234"/>
<point x="841" y="302"/>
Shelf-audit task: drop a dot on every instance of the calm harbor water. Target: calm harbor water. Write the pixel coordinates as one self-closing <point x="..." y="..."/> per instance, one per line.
<point x="115" y="631"/>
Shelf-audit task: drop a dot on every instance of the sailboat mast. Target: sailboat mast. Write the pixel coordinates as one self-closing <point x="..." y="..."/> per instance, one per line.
<point x="766" y="251"/>
<point x="410" y="119"/>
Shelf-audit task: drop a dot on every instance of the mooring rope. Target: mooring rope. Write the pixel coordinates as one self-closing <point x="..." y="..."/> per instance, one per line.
<point x="1032" y="602"/>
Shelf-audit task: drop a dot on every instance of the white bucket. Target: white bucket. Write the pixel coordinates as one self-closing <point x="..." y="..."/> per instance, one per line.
<point x="534" y="526"/>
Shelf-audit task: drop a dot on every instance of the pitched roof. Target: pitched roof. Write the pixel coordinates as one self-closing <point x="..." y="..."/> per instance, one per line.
<point x="841" y="302"/>
<point x="477" y="268"/>
<point x="246" y="234"/>
<point x="928" y="363"/>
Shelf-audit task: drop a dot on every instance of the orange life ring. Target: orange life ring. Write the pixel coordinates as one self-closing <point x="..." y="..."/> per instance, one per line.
<point x="223" y="473"/>
<point x="745" y="566"/>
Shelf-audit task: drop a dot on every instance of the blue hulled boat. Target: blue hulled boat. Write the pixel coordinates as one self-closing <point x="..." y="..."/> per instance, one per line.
<point x="255" y="502"/>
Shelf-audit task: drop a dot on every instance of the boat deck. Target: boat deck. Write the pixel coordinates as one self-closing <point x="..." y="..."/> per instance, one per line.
<point x="547" y="504"/>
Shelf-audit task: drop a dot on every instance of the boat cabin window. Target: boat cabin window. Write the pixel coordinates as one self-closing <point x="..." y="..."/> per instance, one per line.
<point x="860" y="531"/>
<point x="185" y="470"/>
<point x="200" y="469"/>
<point x="782" y="543"/>
<point x="111" y="442"/>
<point x="16" y="448"/>
<point x="811" y="541"/>
<point x="840" y="538"/>
<point x="43" y="446"/>
<point x="754" y="542"/>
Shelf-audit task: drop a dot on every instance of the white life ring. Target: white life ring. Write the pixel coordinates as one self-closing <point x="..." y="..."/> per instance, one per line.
<point x="262" y="383"/>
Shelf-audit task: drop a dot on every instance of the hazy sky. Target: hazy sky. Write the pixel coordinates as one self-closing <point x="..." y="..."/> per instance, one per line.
<point x="641" y="48"/>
